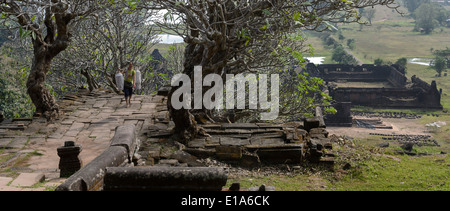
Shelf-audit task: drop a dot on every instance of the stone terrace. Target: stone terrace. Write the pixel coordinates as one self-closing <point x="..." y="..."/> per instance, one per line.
<point x="28" y="147"/>
<point x="89" y="120"/>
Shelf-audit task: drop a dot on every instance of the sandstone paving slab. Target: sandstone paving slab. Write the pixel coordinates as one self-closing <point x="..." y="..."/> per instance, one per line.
<point x="105" y="120"/>
<point x="9" y="188"/>
<point x="72" y="133"/>
<point x="104" y="127"/>
<point x="148" y="106"/>
<point x="4" y="142"/>
<point x="83" y="108"/>
<point x="74" y="114"/>
<point x="17" y="142"/>
<point x="5" y="180"/>
<point x="102" y="115"/>
<point x="84" y="134"/>
<point x="83" y="120"/>
<point x="99" y="103"/>
<point x="28" y="179"/>
<point x="68" y="121"/>
<point x="137" y="116"/>
<point x="36" y="142"/>
<point x="122" y="113"/>
<point x="108" y="109"/>
<point x="93" y="114"/>
<point x="135" y="106"/>
<point x="85" y="114"/>
<point x="101" y="134"/>
<point x="56" y="135"/>
<point x="114" y="102"/>
<point x="117" y="97"/>
<point x="76" y="126"/>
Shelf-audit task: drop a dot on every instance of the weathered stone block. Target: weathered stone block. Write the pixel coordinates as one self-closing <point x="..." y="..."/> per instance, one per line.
<point x="318" y="133"/>
<point x="280" y="155"/>
<point x="229" y="152"/>
<point x="165" y="179"/>
<point x="201" y="153"/>
<point x="69" y="162"/>
<point x="270" y="141"/>
<point x="234" y="141"/>
<point x="197" y="143"/>
<point x="312" y="122"/>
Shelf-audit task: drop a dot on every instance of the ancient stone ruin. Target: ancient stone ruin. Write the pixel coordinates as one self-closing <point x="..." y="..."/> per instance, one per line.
<point x="149" y="158"/>
<point x="373" y="86"/>
<point x="377" y="86"/>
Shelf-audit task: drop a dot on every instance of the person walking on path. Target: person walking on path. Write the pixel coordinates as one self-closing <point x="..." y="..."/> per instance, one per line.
<point x="129" y="83"/>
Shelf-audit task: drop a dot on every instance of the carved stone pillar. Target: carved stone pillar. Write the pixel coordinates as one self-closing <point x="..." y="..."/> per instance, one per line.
<point x="69" y="162"/>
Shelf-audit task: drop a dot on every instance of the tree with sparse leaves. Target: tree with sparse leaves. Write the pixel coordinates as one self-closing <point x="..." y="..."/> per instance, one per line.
<point x="48" y="23"/>
<point x="101" y="45"/>
<point x="232" y="36"/>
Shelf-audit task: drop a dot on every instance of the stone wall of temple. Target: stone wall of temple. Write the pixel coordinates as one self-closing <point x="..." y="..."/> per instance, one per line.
<point x="402" y="94"/>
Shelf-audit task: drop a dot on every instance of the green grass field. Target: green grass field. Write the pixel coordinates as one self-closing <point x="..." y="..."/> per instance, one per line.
<point x="375" y="173"/>
<point x="390" y="37"/>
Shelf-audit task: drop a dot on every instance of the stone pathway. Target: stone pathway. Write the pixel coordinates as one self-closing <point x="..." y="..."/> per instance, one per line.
<point x="28" y="155"/>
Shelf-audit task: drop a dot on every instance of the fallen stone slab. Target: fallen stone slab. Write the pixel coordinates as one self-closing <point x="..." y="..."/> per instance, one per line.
<point x="269" y="141"/>
<point x="239" y="126"/>
<point x="28" y="179"/>
<point x="234" y="141"/>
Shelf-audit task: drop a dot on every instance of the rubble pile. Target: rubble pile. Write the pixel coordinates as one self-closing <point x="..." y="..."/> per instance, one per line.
<point x="246" y="144"/>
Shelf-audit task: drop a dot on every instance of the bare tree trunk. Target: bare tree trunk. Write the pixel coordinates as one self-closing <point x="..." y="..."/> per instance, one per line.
<point x="92" y="84"/>
<point x="185" y="120"/>
<point x="44" y="52"/>
<point x="42" y="99"/>
<point x="186" y="127"/>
